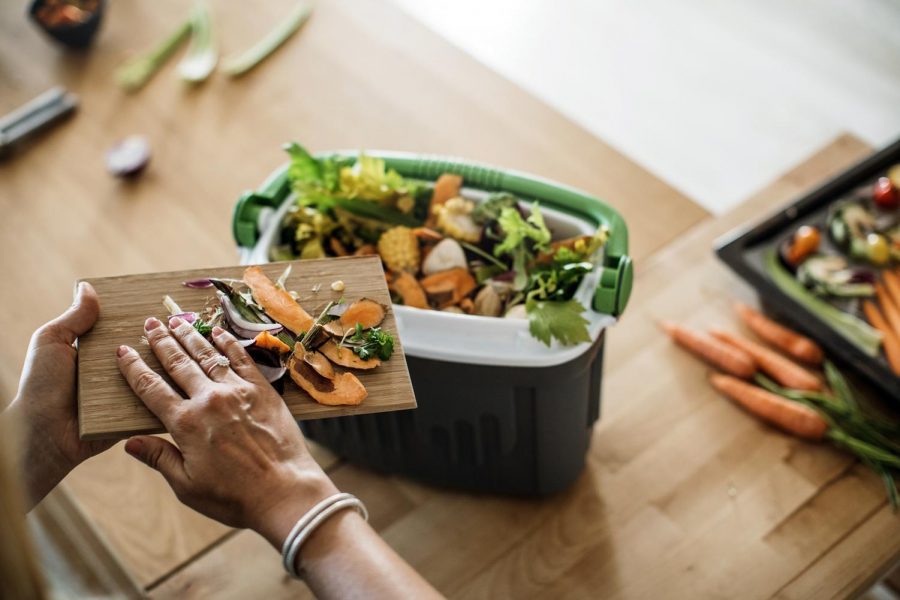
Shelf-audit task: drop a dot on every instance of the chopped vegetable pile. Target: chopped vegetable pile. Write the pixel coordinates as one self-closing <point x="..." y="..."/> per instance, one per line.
<point x="849" y="276"/>
<point x="768" y="383"/>
<point x="282" y="338"/>
<point x="441" y="250"/>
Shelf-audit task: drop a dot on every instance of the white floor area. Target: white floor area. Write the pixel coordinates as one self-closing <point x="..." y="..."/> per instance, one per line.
<point x="717" y="98"/>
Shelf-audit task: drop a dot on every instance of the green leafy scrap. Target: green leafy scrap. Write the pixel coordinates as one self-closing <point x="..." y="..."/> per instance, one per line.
<point x="561" y="320"/>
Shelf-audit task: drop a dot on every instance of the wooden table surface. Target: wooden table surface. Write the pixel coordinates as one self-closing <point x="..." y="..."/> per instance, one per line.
<point x="683" y="496"/>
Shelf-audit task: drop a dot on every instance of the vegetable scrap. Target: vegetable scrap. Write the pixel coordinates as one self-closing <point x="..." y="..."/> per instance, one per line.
<point x="128" y="157"/>
<point x="443" y="247"/>
<point x="283" y="339"/>
<point x="764" y="380"/>
<point x="202" y="55"/>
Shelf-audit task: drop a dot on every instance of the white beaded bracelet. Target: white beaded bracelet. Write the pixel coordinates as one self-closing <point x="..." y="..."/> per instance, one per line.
<point x="309" y="522"/>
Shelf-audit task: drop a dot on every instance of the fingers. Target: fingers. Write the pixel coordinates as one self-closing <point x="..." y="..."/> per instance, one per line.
<point x="200" y="350"/>
<point x="76" y="321"/>
<point x="152" y="389"/>
<point x="185" y="372"/>
<point x="241" y="362"/>
<point x="161" y="455"/>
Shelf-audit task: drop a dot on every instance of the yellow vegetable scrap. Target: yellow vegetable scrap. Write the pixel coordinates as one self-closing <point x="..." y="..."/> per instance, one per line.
<point x="399" y="249"/>
<point x="454" y="218"/>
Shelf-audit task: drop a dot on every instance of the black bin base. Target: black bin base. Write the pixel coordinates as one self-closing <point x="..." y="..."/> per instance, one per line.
<point x="520" y="431"/>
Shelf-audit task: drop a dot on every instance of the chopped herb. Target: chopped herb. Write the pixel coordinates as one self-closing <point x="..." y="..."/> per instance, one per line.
<point x="370" y="343"/>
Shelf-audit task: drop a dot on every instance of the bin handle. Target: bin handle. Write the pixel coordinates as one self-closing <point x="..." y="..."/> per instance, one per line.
<point x="616" y="280"/>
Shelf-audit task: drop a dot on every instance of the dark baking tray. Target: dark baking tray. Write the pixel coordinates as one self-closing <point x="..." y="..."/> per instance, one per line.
<point x="744" y="249"/>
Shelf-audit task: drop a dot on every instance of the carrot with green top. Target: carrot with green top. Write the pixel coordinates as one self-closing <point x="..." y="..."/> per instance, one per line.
<point x="892" y="284"/>
<point x="719" y="354"/>
<point x="890" y="341"/>
<point x="788" y="415"/>
<point x="781" y="369"/>
<point x="790" y="342"/>
<point x="891" y="311"/>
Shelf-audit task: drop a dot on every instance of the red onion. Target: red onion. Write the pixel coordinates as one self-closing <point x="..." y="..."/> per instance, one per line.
<point x="198" y="284"/>
<point x="128" y="157"/>
<point x="241" y="326"/>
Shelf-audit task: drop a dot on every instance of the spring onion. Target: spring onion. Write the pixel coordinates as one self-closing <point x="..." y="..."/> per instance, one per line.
<point x="202" y="55"/>
<point x="855" y="330"/>
<point x="237" y="65"/>
<point x="135" y="73"/>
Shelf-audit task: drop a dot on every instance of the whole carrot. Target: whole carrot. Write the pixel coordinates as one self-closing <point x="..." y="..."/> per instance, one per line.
<point x="790" y="416"/>
<point x="790" y="342"/>
<point x="779" y="368"/>
<point x="890" y="341"/>
<point x="892" y="283"/>
<point x="719" y="354"/>
<point x="891" y="311"/>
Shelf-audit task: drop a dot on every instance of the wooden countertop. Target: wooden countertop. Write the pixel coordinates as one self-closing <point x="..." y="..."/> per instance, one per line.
<point x="684" y="494"/>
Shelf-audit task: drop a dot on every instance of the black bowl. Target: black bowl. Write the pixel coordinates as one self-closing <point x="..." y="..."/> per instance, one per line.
<point x="78" y="35"/>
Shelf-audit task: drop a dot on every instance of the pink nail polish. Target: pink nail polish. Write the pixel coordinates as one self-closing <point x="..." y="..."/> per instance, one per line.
<point x="122" y="351"/>
<point x="151" y="323"/>
<point x="217" y="331"/>
<point x="175" y="322"/>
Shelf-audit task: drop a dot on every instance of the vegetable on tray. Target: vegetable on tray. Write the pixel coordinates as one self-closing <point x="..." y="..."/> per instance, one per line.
<point x="282" y="338"/>
<point x="443" y="248"/>
<point x="849" y="278"/>
<point x="796" y="401"/>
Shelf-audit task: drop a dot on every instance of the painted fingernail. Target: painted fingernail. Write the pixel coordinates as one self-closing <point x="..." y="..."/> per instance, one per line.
<point x="217" y="331"/>
<point x="122" y="351"/>
<point x="175" y="322"/>
<point x="151" y="323"/>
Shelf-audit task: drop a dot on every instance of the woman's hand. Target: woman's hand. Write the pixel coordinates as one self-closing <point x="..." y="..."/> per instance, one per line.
<point x="238" y="456"/>
<point x="240" y="459"/>
<point x="45" y="404"/>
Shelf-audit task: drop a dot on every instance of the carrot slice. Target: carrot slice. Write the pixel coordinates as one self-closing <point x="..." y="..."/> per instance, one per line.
<point x="781" y="369"/>
<point x="890" y="341"/>
<point x="788" y="341"/>
<point x="409" y="289"/>
<point x="270" y="342"/>
<point x="277" y="303"/>
<point x="719" y="354"/>
<point x="344" y="389"/>
<point x="790" y="416"/>
<point x="346" y="357"/>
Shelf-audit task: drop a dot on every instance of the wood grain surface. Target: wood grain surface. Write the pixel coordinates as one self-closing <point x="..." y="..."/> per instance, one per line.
<point x="359" y="75"/>
<point x="107" y="408"/>
<point x="684" y="496"/>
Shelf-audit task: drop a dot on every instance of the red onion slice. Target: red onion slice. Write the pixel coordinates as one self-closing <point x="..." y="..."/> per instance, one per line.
<point x="197" y="284"/>
<point x="128" y="157"/>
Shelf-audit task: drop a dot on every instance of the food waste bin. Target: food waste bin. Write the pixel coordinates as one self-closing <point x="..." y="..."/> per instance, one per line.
<point x="498" y="411"/>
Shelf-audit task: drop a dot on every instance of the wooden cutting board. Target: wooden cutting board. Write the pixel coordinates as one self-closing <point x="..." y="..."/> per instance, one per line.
<point x="107" y="408"/>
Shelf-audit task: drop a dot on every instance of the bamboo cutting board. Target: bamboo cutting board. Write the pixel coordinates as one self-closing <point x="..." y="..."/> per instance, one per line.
<point x="107" y="408"/>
